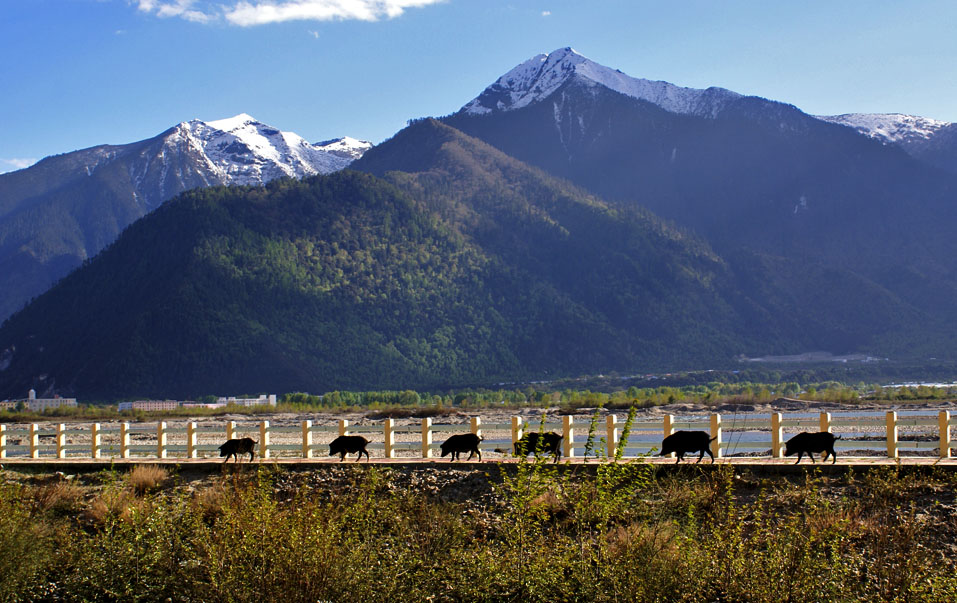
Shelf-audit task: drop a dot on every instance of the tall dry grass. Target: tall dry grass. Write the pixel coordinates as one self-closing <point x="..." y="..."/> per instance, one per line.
<point x="146" y="478"/>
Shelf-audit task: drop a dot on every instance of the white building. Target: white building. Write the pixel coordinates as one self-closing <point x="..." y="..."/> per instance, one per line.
<point x="31" y="402"/>
<point x="262" y="400"/>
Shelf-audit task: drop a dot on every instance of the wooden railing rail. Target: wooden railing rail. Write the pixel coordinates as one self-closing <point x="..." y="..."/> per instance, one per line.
<point x="763" y="435"/>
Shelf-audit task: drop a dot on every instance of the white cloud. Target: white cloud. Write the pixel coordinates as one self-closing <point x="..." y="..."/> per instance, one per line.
<point x="546" y="13"/>
<point x="184" y="9"/>
<point x="15" y="163"/>
<point x="246" y="14"/>
<point x="314" y="34"/>
<point x="260" y="12"/>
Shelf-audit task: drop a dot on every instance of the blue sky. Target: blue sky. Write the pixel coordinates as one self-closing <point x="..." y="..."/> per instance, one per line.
<point x="77" y="73"/>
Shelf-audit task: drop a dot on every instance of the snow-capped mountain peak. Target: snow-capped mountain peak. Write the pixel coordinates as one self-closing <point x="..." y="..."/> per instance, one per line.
<point x="231" y="123"/>
<point x="890" y="128"/>
<point x="242" y="150"/>
<point x="537" y="78"/>
<point x="346" y="147"/>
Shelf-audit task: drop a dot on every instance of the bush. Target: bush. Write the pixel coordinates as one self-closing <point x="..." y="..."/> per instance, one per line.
<point x="26" y="547"/>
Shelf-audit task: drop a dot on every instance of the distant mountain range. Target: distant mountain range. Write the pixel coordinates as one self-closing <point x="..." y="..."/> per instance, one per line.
<point x="538" y="78"/>
<point x="569" y="220"/>
<point x="66" y="208"/>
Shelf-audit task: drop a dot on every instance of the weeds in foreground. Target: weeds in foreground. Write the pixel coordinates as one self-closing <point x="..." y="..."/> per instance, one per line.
<point x="146" y="478"/>
<point x="624" y="531"/>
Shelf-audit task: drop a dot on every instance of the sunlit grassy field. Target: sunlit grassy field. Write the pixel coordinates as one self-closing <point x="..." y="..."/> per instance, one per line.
<point x="527" y="532"/>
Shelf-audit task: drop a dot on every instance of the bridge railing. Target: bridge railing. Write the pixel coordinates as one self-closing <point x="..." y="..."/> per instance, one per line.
<point x="750" y="434"/>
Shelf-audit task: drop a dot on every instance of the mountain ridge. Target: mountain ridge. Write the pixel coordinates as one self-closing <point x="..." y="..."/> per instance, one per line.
<point x="538" y="77"/>
<point x="929" y="140"/>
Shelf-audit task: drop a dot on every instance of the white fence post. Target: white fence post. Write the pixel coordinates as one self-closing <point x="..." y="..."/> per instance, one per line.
<point x="389" y="432"/>
<point x="264" y="439"/>
<point x="343" y="427"/>
<point x="60" y="441"/>
<point x="34" y="441"/>
<point x="307" y="439"/>
<point x="124" y="440"/>
<point x="161" y="440"/>
<point x="230" y="430"/>
<point x="892" y="435"/>
<point x="95" y="440"/>
<point x="777" y="435"/>
<point x="611" y="434"/>
<point x="3" y="441"/>
<point x="426" y="438"/>
<point x="826" y="421"/>
<point x="568" y="436"/>
<point x="716" y="434"/>
<point x="476" y="425"/>
<point x="191" y="452"/>
<point x="516" y="430"/>
<point x="943" y="423"/>
<point x="668" y="428"/>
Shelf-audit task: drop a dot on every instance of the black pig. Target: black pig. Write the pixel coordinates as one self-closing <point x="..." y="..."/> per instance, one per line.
<point x="233" y="448"/>
<point x="681" y="442"/>
<point x="548" y="443"/>
<point x="822" y="441"/>
<point x="350" y="444"/>
<point x="463" y="442"/>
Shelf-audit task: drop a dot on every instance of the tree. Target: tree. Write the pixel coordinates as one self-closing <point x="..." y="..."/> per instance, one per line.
<point x="409" y="398"/>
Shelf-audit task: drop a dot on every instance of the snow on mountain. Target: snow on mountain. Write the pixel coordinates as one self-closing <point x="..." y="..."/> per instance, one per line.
<point x="890" y="128"/>
<point x="537" y="78"/>
<point x="345" y="147"/>
<point x="241" y="150"/>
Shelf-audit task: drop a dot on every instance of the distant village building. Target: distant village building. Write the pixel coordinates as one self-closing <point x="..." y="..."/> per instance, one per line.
<point x="262" y="400"/>
<point x="150" y="405"/>
<point x="31" y="402"/>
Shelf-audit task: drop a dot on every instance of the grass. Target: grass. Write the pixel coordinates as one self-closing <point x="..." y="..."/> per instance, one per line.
<point x="59" y="497"/>
<point x="145" y="478"/>
<point x="534" y="532"/>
